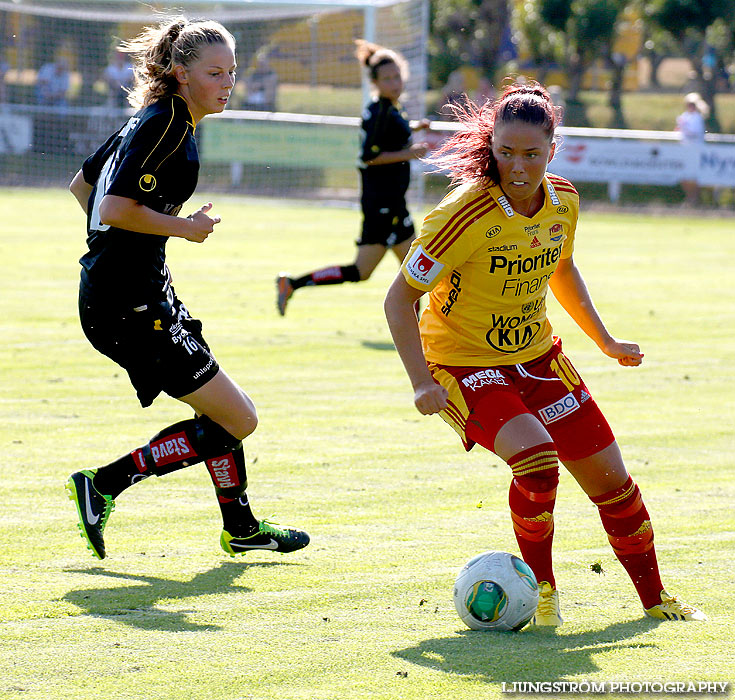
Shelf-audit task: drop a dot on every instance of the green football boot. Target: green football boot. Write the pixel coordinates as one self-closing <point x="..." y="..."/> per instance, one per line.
<point x="268" y="536"/>
<point x="93" y="509"/>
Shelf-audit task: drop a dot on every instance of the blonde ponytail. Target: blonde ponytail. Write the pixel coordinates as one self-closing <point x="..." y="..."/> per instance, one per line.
<point x="158" y="50"/>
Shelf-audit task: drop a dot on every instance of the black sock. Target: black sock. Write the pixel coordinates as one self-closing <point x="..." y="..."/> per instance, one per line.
<point x="114" y="478"/>
<point x="176" y="447"/>
<point x="237" y="518"/>
<point x="328" y="275"/>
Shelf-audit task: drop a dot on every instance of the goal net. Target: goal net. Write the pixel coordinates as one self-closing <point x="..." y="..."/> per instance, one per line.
<point x="292" y="126"/>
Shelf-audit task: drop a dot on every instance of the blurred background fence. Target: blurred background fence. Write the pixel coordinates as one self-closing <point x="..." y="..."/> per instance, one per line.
<point x="292" y="127"/>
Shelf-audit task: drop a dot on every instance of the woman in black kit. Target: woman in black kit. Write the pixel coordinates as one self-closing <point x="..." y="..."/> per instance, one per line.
<point x="132" y="190"/>
<point x="385" y="173"/>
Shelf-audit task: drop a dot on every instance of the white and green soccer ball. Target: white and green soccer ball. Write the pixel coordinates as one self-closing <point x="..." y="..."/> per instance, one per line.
<point x="496" y="591"/>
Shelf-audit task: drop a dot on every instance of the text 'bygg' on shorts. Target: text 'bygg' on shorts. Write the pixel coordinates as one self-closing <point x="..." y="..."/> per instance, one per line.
<point x="159" y="345"/>
<point x="483" y="399"/>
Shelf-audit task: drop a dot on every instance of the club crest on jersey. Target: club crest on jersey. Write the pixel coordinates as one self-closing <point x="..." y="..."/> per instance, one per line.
<point x="553" y="197"/>
<point x="557" y="410"/>
<point x="556" y="232"/>
<point x="422" y="267"/>
<point x="147" y="183"/>
<point x="505" y="205"/>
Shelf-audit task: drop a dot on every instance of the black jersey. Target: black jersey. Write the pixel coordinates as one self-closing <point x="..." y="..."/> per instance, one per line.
<point x="384" y="129"/>
<point x="153" y="159"/>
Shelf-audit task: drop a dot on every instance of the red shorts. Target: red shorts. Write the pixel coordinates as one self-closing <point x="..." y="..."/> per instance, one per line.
<point x="483" y="399"/>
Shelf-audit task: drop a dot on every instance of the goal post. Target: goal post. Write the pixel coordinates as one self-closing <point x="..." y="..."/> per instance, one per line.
<point x="295" y="58"/>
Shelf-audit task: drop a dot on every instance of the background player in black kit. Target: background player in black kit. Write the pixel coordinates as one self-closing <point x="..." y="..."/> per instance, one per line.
<point x="385" y="173"/>
<point x="132" y="190"/>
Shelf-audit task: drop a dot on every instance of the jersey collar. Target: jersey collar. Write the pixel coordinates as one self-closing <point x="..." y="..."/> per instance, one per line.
<point x="550" y="196"/>
<point x="191" y="117"/>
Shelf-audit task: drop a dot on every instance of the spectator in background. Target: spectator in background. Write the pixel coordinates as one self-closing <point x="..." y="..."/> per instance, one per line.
<point x="4" y="68"/>
<point x="454" y="92"/>
<point x="119" y="79"/>
<point x="262" y="86"/>
<point x="463" y="84"/>
<point x="690" y="124"/>
<point x="556" y="92"/>
<point x="485" y="91"/>
<point x="52" y="83"/>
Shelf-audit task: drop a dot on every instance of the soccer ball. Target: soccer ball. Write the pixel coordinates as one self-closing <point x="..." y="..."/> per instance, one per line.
<point x="495" y="591"/>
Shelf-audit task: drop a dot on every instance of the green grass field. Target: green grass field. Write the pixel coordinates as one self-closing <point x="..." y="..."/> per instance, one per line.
<point x="394" y="505"/>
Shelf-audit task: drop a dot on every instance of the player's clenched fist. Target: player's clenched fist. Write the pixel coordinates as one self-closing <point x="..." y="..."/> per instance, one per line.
<point x="430" y="398"/>
<point x="626" y="353"/>
<point x="203" y="224"/>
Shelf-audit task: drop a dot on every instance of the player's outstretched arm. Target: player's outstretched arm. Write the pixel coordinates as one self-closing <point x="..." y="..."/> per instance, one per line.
<point x="128" y="214"/>
<point x="571" y="292"/>
<point x="420" y="124"/>
<point x="429" y="397"/>
<point x="415" y="150"/>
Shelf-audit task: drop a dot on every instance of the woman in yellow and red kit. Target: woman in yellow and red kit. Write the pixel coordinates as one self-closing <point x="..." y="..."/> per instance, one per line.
<point x="484" y="356"/>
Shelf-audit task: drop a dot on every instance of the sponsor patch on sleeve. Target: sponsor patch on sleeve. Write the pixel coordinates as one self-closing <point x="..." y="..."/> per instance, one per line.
<point x="422" y="267"/>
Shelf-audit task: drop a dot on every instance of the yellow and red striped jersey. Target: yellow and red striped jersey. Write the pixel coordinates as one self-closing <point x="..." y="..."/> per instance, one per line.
<point x="487" y="269"/>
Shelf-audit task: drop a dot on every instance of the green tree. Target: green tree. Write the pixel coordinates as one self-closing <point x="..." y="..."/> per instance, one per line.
<point x="657" y="45"/>
<point x="466" y="32"/>
<point x="702" y="29"/>
<point x="540" y="38"/>
<point x="597" y="30"/>
<point x="576" y="32"/>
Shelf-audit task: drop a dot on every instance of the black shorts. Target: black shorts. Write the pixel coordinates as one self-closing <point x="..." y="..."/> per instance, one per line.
<point x="386" y="225"/>
<point x="160" y="346"/>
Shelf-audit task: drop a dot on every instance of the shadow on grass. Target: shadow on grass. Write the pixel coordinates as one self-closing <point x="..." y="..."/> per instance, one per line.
<point x="374" y="345"/>
<point x="137" y="605"/>
<point x="532" y="655"/>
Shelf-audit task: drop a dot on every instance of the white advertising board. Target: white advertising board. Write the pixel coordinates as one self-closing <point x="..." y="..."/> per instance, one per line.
<point x="644" y="162"/>
<point x="16" y="133"/>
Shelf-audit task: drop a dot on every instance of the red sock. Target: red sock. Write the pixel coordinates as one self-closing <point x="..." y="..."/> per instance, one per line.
<point x="628" y="526"/>
<point x="532" y="496"/>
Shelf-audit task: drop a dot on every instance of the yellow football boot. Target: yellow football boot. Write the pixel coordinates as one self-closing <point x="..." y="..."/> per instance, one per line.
<point x="671" y="608"/>
<point x="547" y="613"/>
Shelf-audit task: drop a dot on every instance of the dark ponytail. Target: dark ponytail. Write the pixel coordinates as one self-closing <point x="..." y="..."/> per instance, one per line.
<point x="373" y="56"/>
<point x="468" y="155"/>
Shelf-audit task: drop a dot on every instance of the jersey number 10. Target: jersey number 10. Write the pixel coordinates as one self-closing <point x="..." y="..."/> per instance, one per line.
<point x="564" y="370"/>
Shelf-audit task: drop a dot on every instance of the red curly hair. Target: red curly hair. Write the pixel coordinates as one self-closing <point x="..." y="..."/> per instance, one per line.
<point x="468" y="155"/>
